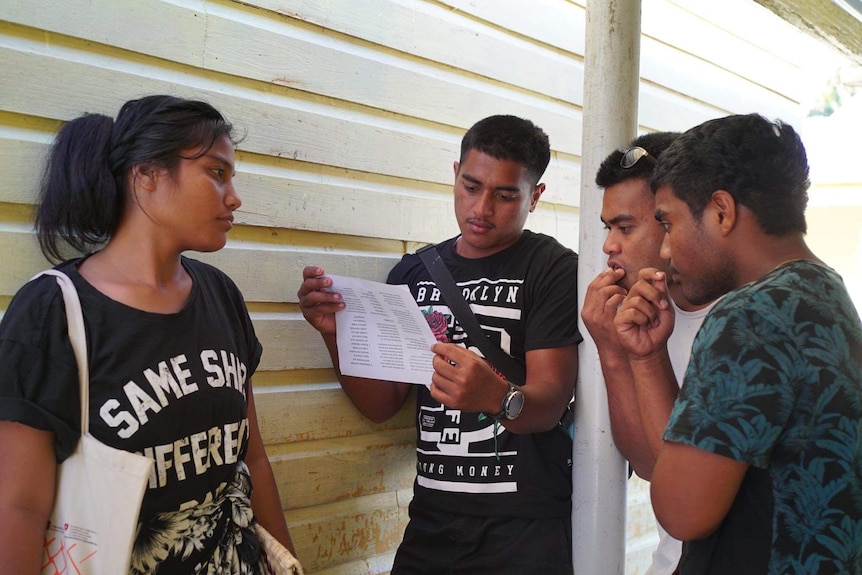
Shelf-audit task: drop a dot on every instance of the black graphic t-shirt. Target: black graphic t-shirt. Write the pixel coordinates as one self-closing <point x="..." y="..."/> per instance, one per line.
<point x="525" y="298"/>
<point x="172" y="387"/>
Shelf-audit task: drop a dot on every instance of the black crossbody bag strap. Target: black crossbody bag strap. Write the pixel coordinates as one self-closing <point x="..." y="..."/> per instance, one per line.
<point x="514" y="371"/>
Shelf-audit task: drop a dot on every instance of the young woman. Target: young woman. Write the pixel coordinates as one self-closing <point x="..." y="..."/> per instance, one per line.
<point x="171" y="346"/>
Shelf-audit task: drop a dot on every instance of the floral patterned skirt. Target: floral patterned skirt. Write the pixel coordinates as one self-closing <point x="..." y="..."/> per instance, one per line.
<point x="213" y="537"/>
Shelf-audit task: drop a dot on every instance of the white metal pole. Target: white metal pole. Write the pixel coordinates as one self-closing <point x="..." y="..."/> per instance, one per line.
<point x="611" y="72"/>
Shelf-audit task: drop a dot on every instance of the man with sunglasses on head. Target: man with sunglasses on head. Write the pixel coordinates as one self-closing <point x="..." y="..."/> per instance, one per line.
<point x="632" y="245"/>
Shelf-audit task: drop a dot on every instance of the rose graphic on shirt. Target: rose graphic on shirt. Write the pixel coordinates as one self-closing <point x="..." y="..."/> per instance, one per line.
<point x="439" y="324"/>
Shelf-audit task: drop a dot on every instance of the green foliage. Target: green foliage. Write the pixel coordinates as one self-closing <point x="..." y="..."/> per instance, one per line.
<point x="834" y="95"/>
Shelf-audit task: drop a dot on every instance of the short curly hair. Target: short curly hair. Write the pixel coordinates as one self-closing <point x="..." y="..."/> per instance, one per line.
<point x="761" y="163"/>
<point x="510" y="138"/>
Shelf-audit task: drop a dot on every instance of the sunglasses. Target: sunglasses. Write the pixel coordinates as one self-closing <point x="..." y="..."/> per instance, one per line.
<point x="633" y="155"/>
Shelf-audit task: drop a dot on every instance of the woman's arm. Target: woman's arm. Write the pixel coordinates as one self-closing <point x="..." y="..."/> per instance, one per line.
<point x="28" y="467"/>
<point x="265" y="500"/>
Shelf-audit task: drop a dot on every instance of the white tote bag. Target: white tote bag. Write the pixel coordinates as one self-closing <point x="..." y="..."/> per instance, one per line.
<point x="99" y="488"/>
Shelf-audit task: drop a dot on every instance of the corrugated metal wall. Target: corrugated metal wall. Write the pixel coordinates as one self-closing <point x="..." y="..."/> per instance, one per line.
<point x="353" y="112"/>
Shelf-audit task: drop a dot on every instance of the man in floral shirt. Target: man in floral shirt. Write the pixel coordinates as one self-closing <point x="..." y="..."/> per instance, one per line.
<point x="760" y="470"/>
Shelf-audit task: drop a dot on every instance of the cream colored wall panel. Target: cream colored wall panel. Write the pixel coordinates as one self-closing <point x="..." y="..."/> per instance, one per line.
<point x="379" y="79"/>
<point x="655" y="113"/>
<point x="280" y="202"/>
<point x="302" y="199"/>
<point x="562" y="179"/>
<point x="283" y="54"/>
<point x="835" y="235"/>
<point x="336" y="470"/>
<point x="296" y="414"/>
<point x="708" y="83"/>
<point x="289" y="342"/>
<point x="276" y="125"/>
<point x="69" y="84"/>
<point x="328" y="79"/>
<point x="560" y="223"/>
<point x="384" y="212"/>
<point x="22" y="155"/>
<point x="265" y="273"/>
<point x="150" y="26"/>
<point x="272" y="273"/>
<point x="280" y="197"/>
<point x="559" y="23"/>
<point x="722" y="69"/>
<point x="20" y="258"/>
<point x="355" y="530"/>
<point x="377" y="565"/>
<point x="641" y="534"/>
<point x="434" y="32"/>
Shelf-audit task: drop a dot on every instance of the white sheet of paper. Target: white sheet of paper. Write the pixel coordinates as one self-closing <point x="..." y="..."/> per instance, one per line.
<point x="381" y="333"/>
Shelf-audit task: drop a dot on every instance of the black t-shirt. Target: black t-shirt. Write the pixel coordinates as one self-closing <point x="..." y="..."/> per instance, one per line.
<point x="738" y="545"/>
<point x="172" y="387"/>
<point x="525" y="298"/>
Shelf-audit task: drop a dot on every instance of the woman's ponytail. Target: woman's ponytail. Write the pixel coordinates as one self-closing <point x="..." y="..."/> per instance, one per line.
<point x="80" y="199"/>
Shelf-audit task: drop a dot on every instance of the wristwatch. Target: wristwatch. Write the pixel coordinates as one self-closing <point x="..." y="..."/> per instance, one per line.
<point x="513" y="403"/>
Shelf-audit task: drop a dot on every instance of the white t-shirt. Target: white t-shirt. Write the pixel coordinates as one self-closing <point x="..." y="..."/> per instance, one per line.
<point x="666" y="555"/>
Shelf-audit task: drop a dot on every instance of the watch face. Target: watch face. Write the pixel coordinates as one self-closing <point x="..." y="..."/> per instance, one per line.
<point x="515" y="404"/>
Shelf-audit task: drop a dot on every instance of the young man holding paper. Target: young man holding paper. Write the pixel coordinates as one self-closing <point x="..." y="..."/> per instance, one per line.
<point x="493" y="486"/>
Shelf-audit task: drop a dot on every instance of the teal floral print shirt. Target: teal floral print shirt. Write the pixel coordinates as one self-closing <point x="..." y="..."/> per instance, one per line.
<point x="775" y="381"/>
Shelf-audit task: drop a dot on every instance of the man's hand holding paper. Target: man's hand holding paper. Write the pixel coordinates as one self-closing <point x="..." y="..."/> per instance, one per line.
<point x="381" y="333"/>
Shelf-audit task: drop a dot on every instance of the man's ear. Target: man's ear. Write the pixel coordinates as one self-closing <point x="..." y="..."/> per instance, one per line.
<point x="538" y="190"/>
<point x="725" y="211"/>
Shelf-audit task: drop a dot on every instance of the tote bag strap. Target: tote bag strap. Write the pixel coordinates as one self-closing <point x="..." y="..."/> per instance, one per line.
<point x="78" y="338"/>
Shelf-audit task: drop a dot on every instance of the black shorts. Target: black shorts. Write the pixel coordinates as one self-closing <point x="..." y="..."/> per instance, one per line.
<point x="447" y="544"/>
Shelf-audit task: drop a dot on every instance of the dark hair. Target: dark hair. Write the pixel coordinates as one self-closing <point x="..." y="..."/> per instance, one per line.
<point x="611" y="173"/>
<point x="510" y="138"/>
<point x="761" y="163"/>
<point x="83" y="190"/>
